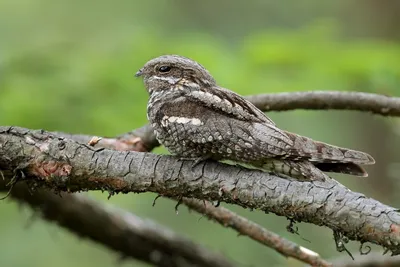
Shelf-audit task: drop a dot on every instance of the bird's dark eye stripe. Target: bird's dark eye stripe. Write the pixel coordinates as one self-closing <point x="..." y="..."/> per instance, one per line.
<point x="164" y="68"/>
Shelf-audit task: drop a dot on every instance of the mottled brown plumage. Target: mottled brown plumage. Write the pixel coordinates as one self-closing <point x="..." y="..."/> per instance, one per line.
<point x="194" y="118"/>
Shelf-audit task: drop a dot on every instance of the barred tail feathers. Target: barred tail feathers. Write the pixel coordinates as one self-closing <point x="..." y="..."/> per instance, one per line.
<point x="319" y="152"/>
<point x="329" y="158"/>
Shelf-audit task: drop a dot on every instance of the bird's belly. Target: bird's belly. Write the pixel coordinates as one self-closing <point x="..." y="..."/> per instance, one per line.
<point x="176" y="146"/>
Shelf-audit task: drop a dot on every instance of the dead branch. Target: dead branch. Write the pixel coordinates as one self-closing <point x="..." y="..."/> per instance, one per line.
<point x="120" y="231"/>
<point x="324" y="100"/>
<point x="143" y="138"/>
<point x="221" y="215"/>
<point x="370" y="260"/>
<point x="65" y="165"/>
<point x="245" y="227"/>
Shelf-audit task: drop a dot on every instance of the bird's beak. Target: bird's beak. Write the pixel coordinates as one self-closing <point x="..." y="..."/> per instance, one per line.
<point x="139" y="73"/>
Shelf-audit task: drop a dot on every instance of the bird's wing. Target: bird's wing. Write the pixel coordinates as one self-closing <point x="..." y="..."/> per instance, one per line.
<point x="229" y="102"/>
<point x="266" y="139"/>
<point x="197" y="122"/>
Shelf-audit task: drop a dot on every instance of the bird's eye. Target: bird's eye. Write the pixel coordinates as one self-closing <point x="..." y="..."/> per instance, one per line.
<point x="164" y="68"/>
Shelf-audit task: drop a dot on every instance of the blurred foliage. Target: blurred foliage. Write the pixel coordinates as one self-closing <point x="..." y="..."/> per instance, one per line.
<point x="63" y="78"/>
<point x="69" y="66"/>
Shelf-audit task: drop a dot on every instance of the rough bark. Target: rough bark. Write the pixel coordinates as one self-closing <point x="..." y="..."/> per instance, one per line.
<point x="57" y="171"/>
<point x="123" y="232"/>
<point x="65" y="165"/>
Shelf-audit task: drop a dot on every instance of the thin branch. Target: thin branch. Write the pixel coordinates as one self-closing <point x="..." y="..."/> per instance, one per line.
<point x="120" y="231"/>
<point x="370" y="260"/>
<point x="228" y="218"/>
<point x="65" y="165"/>
<point x="374" y="103"/>
<point x="311" y="100"/>
<point x="141" y="140"/>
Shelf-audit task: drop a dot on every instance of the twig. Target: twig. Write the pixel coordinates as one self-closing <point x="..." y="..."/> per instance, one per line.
<point x="245" y="227"/>
<point x="370" y="260"/>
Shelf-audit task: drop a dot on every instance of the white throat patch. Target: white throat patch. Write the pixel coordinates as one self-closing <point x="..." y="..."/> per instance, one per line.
<point x="169" y="79"/>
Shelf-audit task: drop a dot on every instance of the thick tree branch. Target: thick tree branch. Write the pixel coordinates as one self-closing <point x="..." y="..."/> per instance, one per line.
<point x="146" y="142"/>
<point x="132" y="142"/>
<point x="120" y="231"/>
<point x="69" y="166"/>
<point x="374" y="103"/>
<point x="306" y="100"/>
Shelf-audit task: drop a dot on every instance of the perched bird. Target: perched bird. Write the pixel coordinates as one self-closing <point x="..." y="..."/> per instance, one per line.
<point x="194" y="118"/>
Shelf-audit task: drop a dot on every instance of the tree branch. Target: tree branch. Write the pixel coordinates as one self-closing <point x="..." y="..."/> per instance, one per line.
<point x="256" y="232"/>
<point x="132" y="142"/>
<point x="315" y="100"/>
<point x="312" y="100"/>
<point x="69" y="166"/>
<point x="286" y="101"/>
<point x="374" y="103"/>
<point x="140" y="140"/>
<point x="120" y="231"/>
<point x="370" y="260"/>
<point x="146" y="142"/>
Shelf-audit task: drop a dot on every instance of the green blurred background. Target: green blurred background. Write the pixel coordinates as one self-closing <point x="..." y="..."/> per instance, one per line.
<point x="69" y="66"/>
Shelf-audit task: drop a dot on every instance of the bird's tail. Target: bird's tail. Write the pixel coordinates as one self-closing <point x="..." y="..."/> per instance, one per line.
<point x="329" y="158"/>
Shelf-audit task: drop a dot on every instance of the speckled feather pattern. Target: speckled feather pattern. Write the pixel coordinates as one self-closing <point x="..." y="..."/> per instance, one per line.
<point x="195" y="118"/>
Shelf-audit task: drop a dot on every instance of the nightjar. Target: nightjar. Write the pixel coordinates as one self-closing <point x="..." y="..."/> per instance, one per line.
<point x="194" y="118"/>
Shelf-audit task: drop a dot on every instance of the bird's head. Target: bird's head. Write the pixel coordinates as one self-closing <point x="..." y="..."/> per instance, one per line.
<point x="172" y="71"/>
